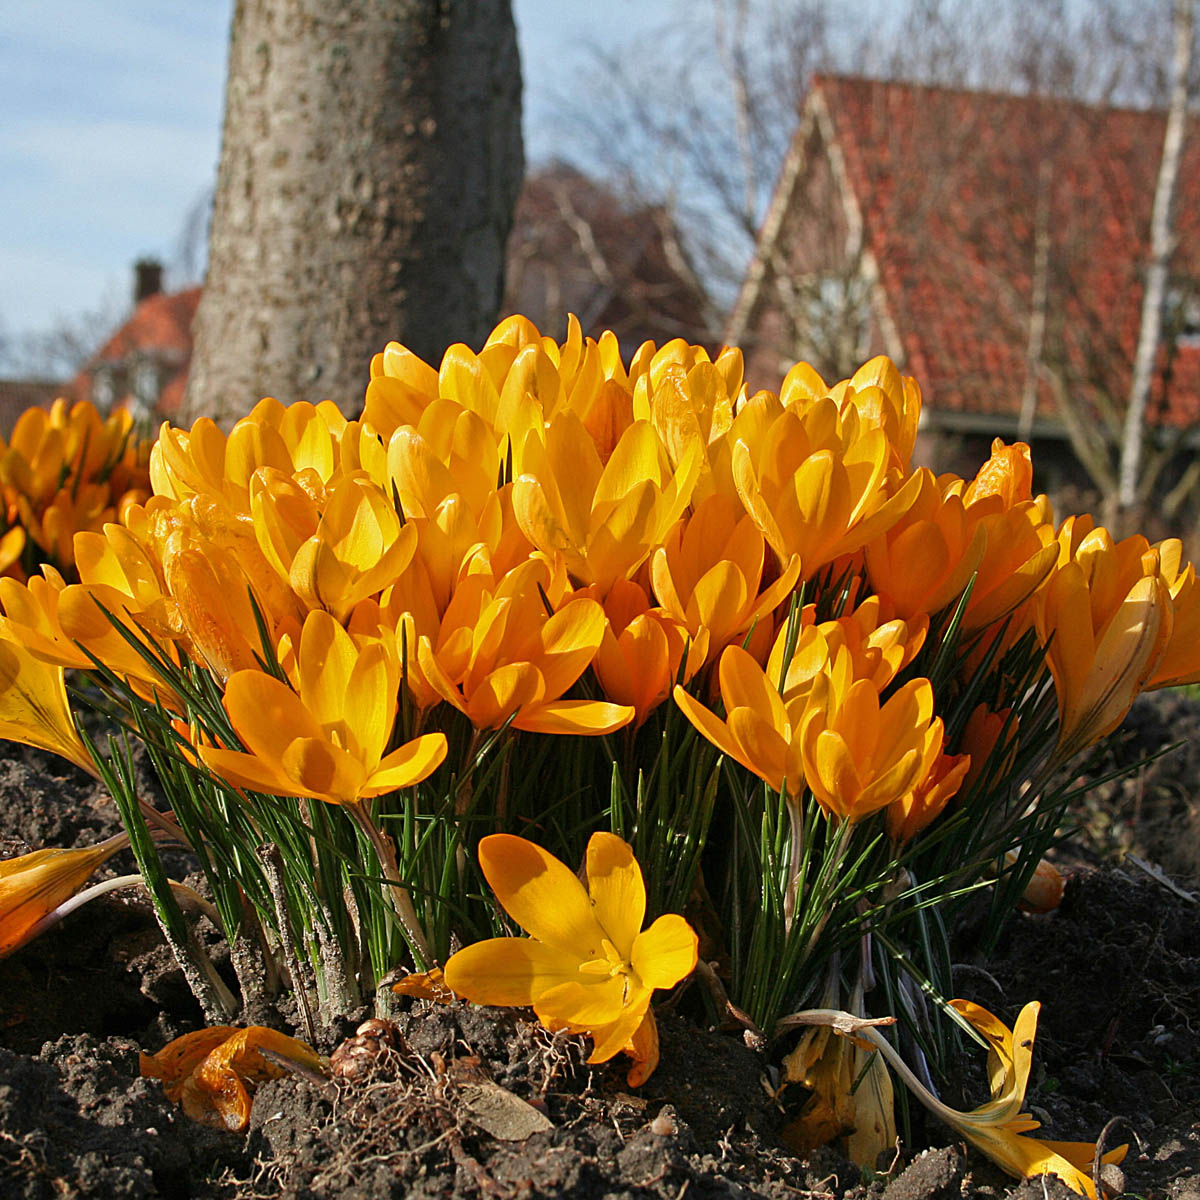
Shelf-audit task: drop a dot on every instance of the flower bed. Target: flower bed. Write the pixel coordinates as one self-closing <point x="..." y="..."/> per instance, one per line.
<point x="794" y="704"/>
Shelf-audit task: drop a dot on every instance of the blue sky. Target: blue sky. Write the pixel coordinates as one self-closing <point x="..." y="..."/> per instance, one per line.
<point x="110" y="116"/>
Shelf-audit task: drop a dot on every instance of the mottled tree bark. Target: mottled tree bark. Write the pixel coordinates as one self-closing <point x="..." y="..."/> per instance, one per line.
<point x="370" y="162"/>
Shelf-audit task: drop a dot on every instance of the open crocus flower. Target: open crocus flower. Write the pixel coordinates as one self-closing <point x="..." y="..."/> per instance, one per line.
<point x="451" y="452"/>
<point x="353" y="548"/>
<point x="880" y="644"/>
<point x="328" y="742"/>
<point x="588" y="965"/>
<point x="814" y="483"/>
<point x="691" y="401"/>
<point x="926" y="559"/>
<point x="33" y="705"/>
<point x="603" y="518"/>
<point x="499" y="656"/>
<point x="33" y="885"/>
<point x="761" y="729"/>
<point x="708" y="572"/>
<point x="882" y="397"/>
<point x="861" y="755"/>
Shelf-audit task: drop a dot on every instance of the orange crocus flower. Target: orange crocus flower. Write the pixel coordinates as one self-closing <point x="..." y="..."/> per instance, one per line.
<point x="500" y="656"/>
<point x="641" y="650"/>
<point x="815" y="483"/>
<point x="708" y="572"/>
<point x="861" y="755"/>
<point x="1106" y="616"/>
<point x="603" y="518"/>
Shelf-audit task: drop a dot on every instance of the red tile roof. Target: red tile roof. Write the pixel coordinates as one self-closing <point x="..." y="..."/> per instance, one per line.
<point x="948" y="184"/>
<point x="160" y="325"/>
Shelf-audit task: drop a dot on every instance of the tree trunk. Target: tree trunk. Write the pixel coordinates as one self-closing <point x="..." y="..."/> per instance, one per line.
<point x="370" y="162"/>
<point x="1162" y="243"/>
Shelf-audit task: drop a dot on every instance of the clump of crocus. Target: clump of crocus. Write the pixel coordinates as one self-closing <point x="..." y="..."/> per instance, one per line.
<point x="512" y="566"/>
<point x="587" y="966"/>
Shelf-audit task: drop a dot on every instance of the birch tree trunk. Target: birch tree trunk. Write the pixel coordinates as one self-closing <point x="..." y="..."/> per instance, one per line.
<point x="1162" y="243"/>
<point x="370" y="162"/>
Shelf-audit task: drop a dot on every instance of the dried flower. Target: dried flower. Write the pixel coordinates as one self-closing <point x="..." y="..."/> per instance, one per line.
<point x="215" y="1071"/>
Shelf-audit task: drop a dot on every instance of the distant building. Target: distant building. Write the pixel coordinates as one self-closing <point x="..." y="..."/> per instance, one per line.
<point x="993" y="245"/>
<point x="578" y="247"/>
<point x="16" y="395"/>
<point x="574" y="248"/>
<point x="144" y="365"/>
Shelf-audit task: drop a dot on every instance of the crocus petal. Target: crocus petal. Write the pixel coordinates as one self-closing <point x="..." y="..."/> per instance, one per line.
<point x="710" y="725"/>
<point x="267" y="714"/>
<point x="617" y="890"/>
<point x="542" y="895"/>
<point x="320" y="768"/>
<point x="582" y="1007"/>
<point x="763" y="748"/>
<point x="250" y="772"/>
<point x="508" y="971"/>
<point x="33" y="885"/>
<point x="586" y="717"/>
<point x="409" y="764"/>
<point x="220" y="1090"/>
<point x="179" y="1058"/>
<point x="34" y="708"/>
<point x="744" y="685"/>
<point x="614" y="1037"/>
<point x="643" y="1049"/>
<point x="666" y="952"/>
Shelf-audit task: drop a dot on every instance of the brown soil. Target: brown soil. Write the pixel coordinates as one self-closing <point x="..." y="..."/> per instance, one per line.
<point x="1117" y="969"/>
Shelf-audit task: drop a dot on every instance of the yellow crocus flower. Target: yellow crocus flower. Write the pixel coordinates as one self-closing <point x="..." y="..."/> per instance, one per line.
<point x="861" y="755"/>
<point x="928" y="557"/>
<point x="641" y="651"/>
<point x="882" y="397"/>
<point x="603" y="518"/>
<point x="815" y="483"/>
<point x="1106" y="617"/>
<point x="1180" y="661"/>
<point x="500" y="656"/>
<point x="351" y="547"/>
<point x="588" y="966"/>
<point x="761" y="729"/>
<point x="329" y="741"/>
<point x="33" y="885"/>
<point x="906" y="816"/>
<point x="880" y="644"/>
<point x="708" y="572"/>
<point x="34" y="708"/>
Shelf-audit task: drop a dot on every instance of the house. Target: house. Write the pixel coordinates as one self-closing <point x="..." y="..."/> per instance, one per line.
<point x="578" y="247"/>
<point x="994" y="245"/>
<point x="144" y="365"/>
<point x="574" y="248"/>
